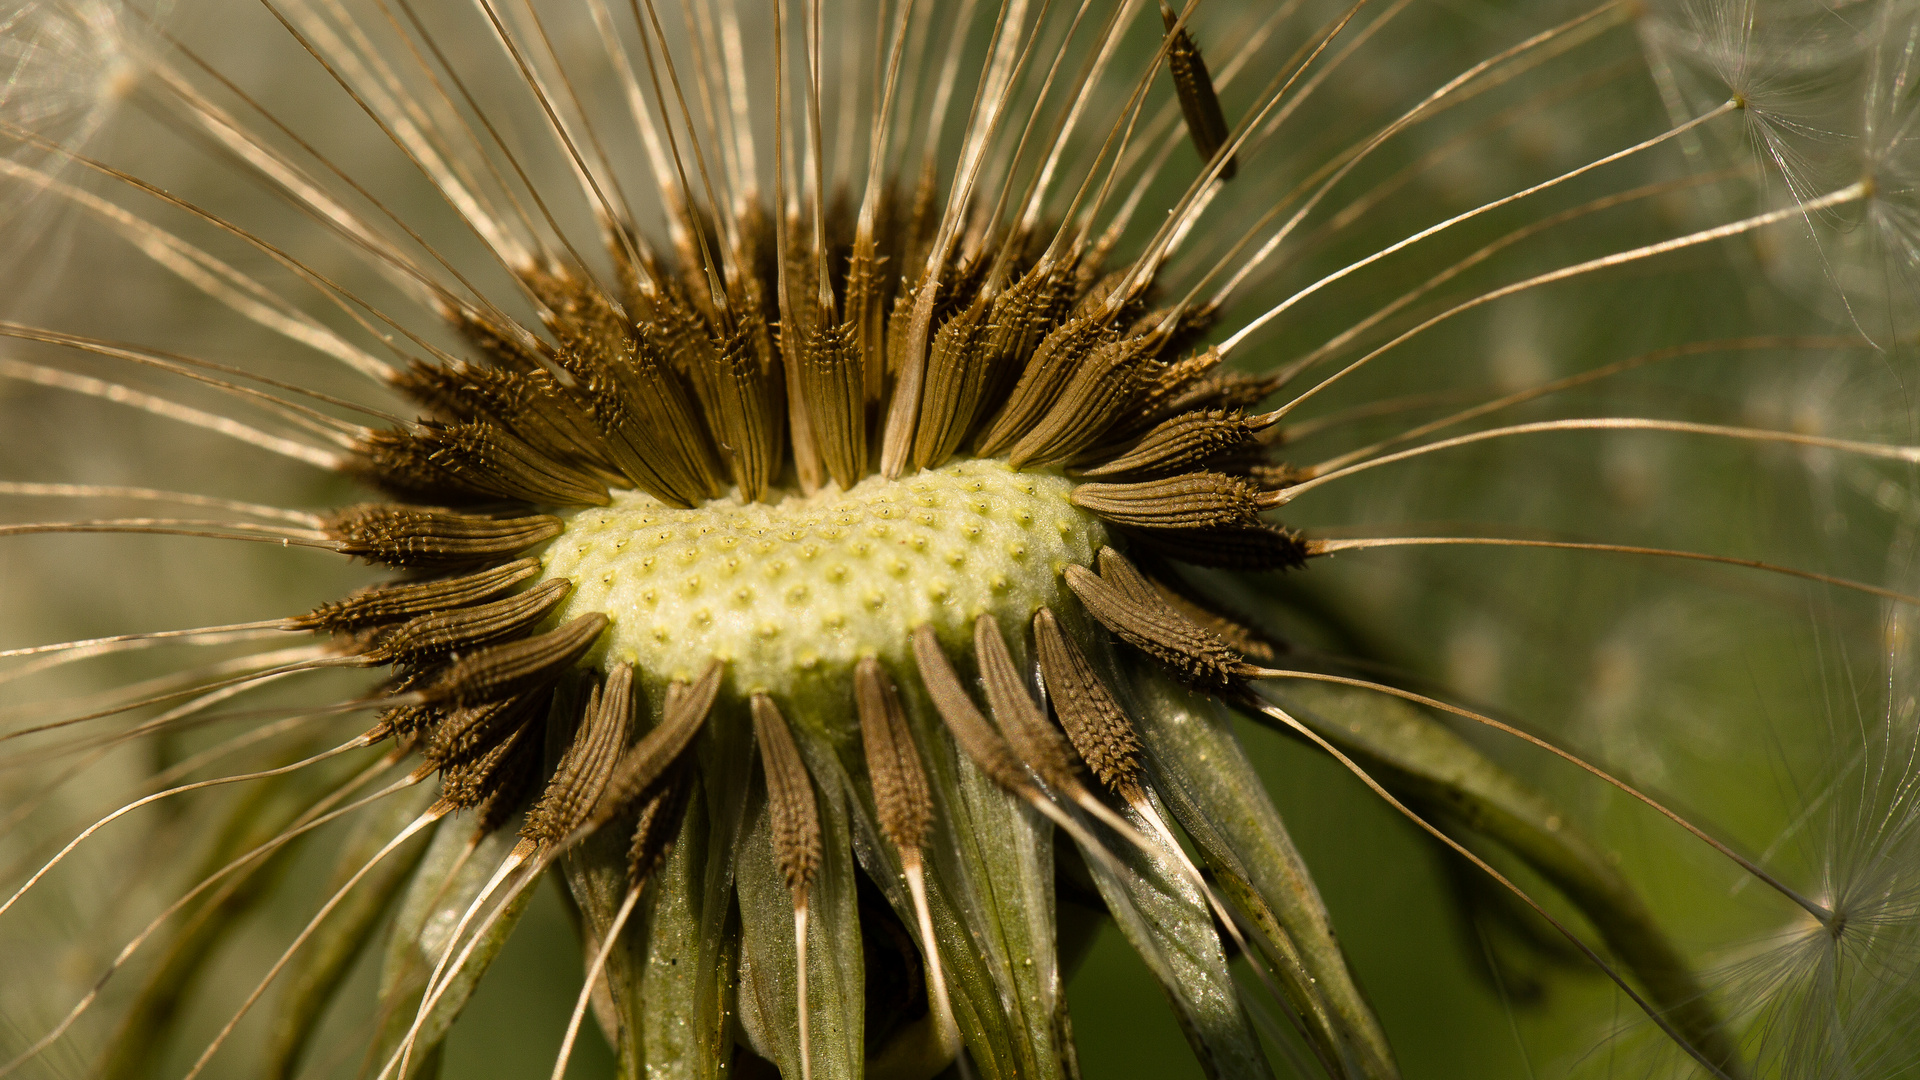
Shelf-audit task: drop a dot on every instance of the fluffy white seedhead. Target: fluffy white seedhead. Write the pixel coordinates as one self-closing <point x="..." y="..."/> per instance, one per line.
<point x="1828" y="97"/>
<point x="64" y="67"/>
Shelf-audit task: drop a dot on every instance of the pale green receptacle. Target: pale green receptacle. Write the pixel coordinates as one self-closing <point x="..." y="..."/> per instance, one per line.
<point x="793" y="592"/>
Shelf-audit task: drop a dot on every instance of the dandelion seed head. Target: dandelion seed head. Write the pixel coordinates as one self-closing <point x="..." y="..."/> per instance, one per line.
<point x="66" y="64"/>
<point x="830" y="471"/>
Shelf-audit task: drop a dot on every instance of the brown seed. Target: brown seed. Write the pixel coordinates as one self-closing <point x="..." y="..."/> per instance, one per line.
<point x="506" y="787"/>
<point x="686" y="710"/>
<point x="1045" y="375"/>
<point x="790" y="799"/>
<point x="661" y="809"/>
<point x="650" y="418"/>
<point x="900" y="796"/>
<point x="836" y="402"/>
<point x="1023" y="314"/>
<point x="396" y="603"/>
<point x="1183" y="443"/>
<point x="467" y="733"/>
<point x="501" y="671"/>
<point x="1131" y="609"/>
<point x="530" y="404"/>
<point x="1107" y="385"/>
<point x="587" y="766"/>
<point x="950" y="396"/>
<point x="1094" y="722"/>
<point x="1246" y="547"/>
<point x="411" y="536"/>
<point x="489" y="460"/>
<point x="975" y="737"/>
<point x="1199" y="500"/>
<point x="1224" y="623"/>
<point x="1223" y="390"/>
<point x="1206" y="122"/>
<point x="1021" y="721"/>
<point x="436" y="634"/>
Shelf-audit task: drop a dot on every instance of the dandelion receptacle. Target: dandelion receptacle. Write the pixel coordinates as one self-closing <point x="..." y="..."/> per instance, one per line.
<point x="715" y="538"/>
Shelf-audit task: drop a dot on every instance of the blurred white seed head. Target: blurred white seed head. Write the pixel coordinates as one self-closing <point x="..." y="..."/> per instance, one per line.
<point x="65" y="66"/>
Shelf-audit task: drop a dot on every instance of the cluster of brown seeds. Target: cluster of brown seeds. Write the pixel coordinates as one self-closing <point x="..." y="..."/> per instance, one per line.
<point x="694" y="394"/>
<point x="689" y="397"/>
<point x="763" y="361"/>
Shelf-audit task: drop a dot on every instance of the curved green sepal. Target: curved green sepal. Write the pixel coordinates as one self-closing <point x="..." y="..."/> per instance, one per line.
<point x="768" y="984"/>
<point x="1198" y="766"/>
<point x="1422" y="760"/>
<point x="323" y="964"/>
<point x="441" y="892"/>
<point x="1166" y="919"/>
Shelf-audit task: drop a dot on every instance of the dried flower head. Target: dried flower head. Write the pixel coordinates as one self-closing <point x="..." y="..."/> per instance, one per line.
<point x="832" y="471"/>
